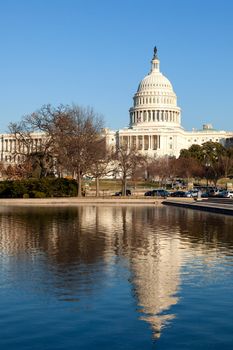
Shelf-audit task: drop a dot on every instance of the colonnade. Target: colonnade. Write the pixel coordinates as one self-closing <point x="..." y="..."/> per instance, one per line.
<point x="10" y="146"/>
<point x="140" y="142"/>
<point x="139" y="116"/>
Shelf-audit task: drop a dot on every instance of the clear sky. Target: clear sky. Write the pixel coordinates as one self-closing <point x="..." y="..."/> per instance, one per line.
<point x="95" y="52"/>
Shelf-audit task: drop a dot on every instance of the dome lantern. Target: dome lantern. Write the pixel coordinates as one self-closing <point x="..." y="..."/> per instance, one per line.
<point x="155" y="61"/>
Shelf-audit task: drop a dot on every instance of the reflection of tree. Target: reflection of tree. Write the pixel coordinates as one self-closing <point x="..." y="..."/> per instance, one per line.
<point x="78" y="244"/>
<point x="72" y="251"/>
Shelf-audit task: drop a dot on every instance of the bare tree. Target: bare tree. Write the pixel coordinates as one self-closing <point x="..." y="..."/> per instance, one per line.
<point x="2" y="170"/>
<point x="17" y="171"/>
<point x="77" y="138"/>
<point x="102" y="164"/>
<point x="69" y="137"/>
<point x="163" y="168"/>
<point x="189" y="168"/>
<point x="34" y="139"/>
<point x="127" y="161"/>
<point x="226" y="161"/>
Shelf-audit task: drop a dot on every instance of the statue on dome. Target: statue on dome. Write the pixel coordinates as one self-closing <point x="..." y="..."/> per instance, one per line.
<point x="155" y="52"/>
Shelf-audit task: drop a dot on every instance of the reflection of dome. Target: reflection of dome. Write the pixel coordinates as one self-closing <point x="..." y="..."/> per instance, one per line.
<point x="155" y="102"/>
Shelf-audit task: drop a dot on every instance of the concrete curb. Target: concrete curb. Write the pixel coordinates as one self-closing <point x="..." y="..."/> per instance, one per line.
<point x="226" y="209"/>
<point x="73" y="201"/>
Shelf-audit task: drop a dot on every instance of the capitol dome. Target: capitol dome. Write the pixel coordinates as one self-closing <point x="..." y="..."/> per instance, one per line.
<point x="155" y="102"/>
<point x="155" y="80"/>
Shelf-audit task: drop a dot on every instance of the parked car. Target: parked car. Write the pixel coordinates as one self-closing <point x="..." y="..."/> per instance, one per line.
<point x="190" y="194"/>
<point x="148" y="193"/>
<point x="194" y="193"/>
<point x="205" y="195"/>
<point x="178" y="194"/>
<point x="128" y="193"/>
<point x="230" y="194"/>
<point x="157" y="193"/>
<point x="226" y="194"/>
<point x="215" y="192"/>
<point x="221" y="194"/>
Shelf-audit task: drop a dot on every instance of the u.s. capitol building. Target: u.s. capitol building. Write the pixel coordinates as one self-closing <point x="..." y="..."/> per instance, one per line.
<point x="155" y="120"/>
<point x="155" y="123"/>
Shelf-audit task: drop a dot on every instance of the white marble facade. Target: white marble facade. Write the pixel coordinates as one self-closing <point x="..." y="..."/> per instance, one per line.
<point x="13" y="151"/>
<point x="155" y="119"/>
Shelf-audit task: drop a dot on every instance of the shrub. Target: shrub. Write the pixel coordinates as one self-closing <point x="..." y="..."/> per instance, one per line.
<point x="38" y="194"/>
<point x="38" y="188"/>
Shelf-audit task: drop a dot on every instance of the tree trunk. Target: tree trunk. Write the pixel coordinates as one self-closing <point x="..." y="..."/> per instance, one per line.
<point x="79" y="178"/>
<point x="124" y="185"/>
<point x="215" y="182"/>
<point x="97" y="186"/>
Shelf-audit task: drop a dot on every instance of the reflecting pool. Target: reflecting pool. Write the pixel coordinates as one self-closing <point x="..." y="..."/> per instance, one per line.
<point x="95" y="277"/>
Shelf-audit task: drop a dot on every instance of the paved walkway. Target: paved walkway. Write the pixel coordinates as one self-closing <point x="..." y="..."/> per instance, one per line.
<point x="218" y="205"/>
<point x="73" y="201"/>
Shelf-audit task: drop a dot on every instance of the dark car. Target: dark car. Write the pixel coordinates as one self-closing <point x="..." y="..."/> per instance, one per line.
<point x="221" y="194"/>
<point x="205" y="195"/>
<point x="128" y="193"/>
<point x="148" y="193"/>
<point x="214" y="192"/>
<point x="178" y="194"/>
<point x="157" y="193"/>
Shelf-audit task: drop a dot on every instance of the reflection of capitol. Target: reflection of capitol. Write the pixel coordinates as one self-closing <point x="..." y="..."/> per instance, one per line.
<point x="154" y="260"/>
<point x="156" y="280"/>
<point x="149" y="239"/>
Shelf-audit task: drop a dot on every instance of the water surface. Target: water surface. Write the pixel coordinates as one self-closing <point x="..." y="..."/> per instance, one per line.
<point x="115" y="278"/>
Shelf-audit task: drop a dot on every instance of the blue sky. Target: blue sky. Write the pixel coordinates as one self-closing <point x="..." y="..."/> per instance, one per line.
<point x="95" y="52"/>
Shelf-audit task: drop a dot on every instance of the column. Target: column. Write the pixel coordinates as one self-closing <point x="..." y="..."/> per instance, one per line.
<point x="2" y="147"/>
